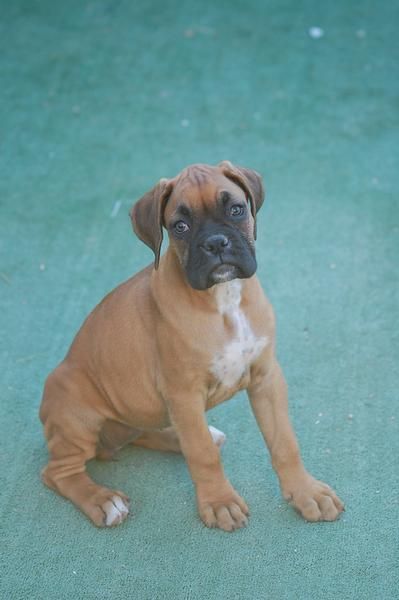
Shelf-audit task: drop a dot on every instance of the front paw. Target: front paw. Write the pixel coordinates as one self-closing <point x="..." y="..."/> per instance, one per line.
<point x="223" y="508"/>
<point x="313" y="499"/>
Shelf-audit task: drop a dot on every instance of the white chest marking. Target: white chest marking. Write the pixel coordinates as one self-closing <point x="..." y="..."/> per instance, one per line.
<point x="230" y="364"/>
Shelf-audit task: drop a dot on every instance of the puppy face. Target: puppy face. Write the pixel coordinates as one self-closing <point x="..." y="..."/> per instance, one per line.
<point x="210" y="228"/>
<point x="209" y="213"/>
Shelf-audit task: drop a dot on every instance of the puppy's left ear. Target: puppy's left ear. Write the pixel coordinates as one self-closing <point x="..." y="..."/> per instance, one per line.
<point x="249" y="181"/>
<point x="147" y="216"/>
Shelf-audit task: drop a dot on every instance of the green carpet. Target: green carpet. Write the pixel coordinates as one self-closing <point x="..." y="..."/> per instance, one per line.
<point x="98" y="100"/>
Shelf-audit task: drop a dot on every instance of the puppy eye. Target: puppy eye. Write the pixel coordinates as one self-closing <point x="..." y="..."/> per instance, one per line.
<point x="181" y="227"/>
<point x="237" y="210"/>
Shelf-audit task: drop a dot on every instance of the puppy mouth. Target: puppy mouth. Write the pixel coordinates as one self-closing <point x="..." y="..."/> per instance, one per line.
<point x="222" y="273"/>
<point x="235" y="261"/>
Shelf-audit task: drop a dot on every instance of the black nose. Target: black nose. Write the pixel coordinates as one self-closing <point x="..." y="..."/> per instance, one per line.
<point x="215" y="244"/>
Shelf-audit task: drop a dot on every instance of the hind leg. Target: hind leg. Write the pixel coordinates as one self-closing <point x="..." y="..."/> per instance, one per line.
<point x="66" y="474"/>
<point x="167" y="440"/>
<point x="72" y="430"/>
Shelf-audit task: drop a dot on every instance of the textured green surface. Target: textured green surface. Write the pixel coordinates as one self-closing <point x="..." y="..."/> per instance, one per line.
<point x="99" y="100"/>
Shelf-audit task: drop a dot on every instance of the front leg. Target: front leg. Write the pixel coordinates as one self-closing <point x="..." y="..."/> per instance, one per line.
<point x="218" y="503"/>
<point x="315" y="500"/>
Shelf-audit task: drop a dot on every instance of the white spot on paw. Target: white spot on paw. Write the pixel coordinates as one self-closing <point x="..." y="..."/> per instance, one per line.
<point x="115" y="510"/>
<point x="218" y="436"/>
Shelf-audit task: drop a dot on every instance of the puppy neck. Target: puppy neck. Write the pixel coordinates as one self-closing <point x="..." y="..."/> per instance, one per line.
<point x="227" y="296"/>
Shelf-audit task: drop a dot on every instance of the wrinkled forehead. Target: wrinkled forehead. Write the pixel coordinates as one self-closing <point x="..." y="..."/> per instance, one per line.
<point x="200" y="187"/>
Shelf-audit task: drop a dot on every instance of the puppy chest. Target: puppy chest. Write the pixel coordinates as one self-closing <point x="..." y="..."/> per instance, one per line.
<point x="232" y="361"/>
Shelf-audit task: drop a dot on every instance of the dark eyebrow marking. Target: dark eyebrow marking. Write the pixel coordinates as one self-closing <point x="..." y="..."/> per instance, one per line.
<point x="225" y="196"/>
<point x="183" y="210"/>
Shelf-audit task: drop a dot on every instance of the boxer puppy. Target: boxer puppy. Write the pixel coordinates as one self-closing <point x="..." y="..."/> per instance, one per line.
<point x="172" y="342"/>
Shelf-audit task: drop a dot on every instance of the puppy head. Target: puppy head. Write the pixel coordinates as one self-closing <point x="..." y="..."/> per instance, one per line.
<point x="210" y="215"/>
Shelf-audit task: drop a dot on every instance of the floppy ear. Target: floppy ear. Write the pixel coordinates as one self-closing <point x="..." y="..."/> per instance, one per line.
<point x="147" y="216"/>
<point x="248" y="180"/>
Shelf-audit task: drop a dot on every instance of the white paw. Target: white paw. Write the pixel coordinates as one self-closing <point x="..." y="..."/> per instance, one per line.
<point x="218" y="436"/>
<point x="115" y="511"/>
